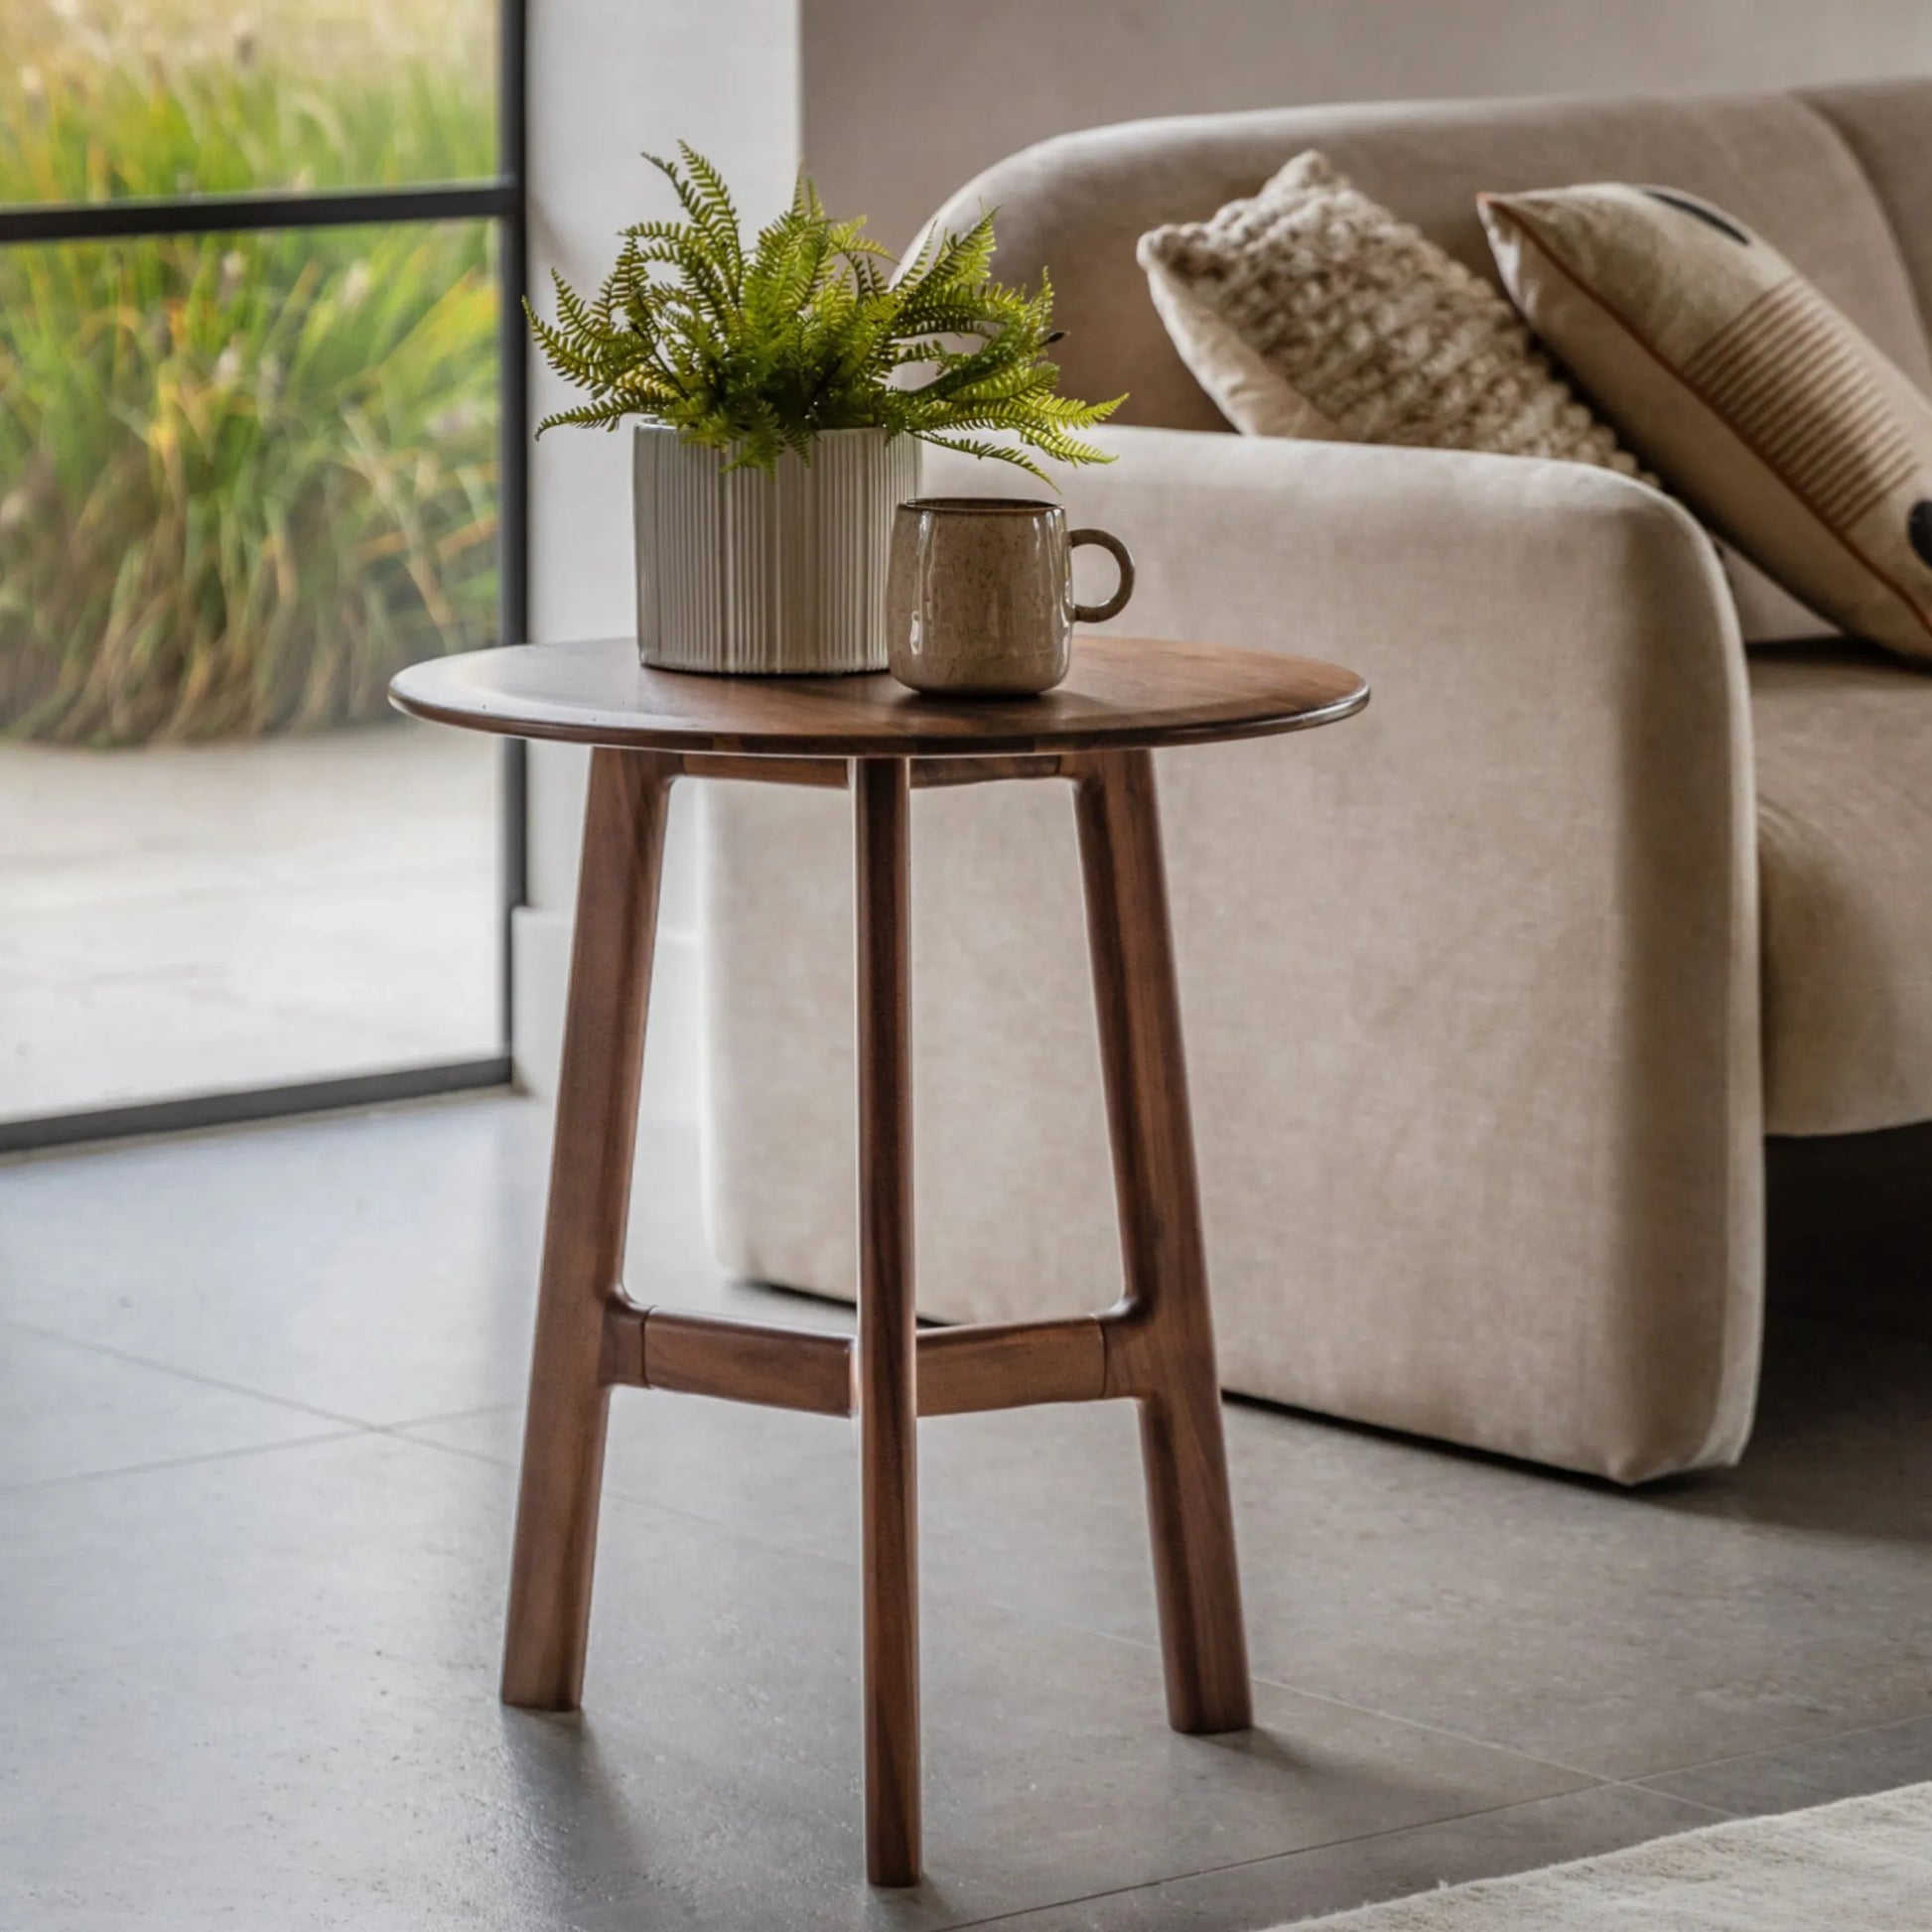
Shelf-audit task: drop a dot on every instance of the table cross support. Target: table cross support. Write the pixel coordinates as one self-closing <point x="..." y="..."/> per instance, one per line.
<point x="961" y="1372"/>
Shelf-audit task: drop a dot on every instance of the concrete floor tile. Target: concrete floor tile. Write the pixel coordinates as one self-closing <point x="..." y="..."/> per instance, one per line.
<point x="1001" y="1496"/>
<point x="1621" y="1632"/>
<point x="67" y="1411"/>
<point x="258" y="1690"/>
<point x="275" y="1675"/>
<point x="1397" y="1864"/>
<point x="378" y="1267"/>
<point x="1818" y="1773"/>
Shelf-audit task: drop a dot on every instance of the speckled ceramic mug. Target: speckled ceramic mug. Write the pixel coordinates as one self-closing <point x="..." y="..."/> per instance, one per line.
<point x="979" y="594"/>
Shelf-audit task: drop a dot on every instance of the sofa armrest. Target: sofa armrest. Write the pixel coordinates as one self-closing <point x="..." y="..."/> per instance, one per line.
<point x="1531" y="863"/>
<point x="1323" y="548"/>
<point x="1469" y="982"/>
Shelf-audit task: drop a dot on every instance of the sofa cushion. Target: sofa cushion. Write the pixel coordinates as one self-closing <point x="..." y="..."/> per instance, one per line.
<point x="1778" y="419"/>
<point x="1845" y="846"/>
<point x="1309" y="309"/>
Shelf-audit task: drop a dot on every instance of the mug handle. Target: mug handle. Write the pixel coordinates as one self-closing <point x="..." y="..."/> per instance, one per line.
<point x="1115" y="604"/>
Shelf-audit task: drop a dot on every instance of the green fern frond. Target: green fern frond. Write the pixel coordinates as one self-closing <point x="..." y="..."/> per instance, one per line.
<point x="994" y="453"/>
<point x="756" y="349"/>
<point x="586" y="416"/>
<point x="720" y="216"/>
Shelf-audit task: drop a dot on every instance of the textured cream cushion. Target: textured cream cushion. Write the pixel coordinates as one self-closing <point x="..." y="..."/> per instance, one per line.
<point x="1310" y="311"/>
<point x="1750" y="392"/>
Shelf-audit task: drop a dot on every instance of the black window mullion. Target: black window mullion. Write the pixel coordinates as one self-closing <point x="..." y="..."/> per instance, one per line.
<point x="513" y="466"/>
<point x="498" y="200"/>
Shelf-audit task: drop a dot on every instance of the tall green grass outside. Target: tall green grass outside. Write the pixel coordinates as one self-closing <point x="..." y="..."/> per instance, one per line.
<point x="242" y="479"/>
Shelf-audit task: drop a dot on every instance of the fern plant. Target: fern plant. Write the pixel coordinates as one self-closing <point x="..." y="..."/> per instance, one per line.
<point x="757" y="350"/>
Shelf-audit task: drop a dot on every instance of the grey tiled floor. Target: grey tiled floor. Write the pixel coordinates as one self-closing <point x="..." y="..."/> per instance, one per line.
<point x="257" y="1413"/>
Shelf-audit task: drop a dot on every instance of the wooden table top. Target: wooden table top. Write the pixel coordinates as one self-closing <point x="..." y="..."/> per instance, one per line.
<point x="1124" y="692"/>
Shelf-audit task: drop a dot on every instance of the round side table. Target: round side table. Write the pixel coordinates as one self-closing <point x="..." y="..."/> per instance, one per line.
<point x="1125" y="698"/>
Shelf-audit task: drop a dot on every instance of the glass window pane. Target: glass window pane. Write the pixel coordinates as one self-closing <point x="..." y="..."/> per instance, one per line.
<point x="243" y="479"/>
<point x="101" y="99"/>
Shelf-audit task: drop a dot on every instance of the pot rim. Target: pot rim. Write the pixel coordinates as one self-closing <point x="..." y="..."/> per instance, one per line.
<point x="645" y="428"/>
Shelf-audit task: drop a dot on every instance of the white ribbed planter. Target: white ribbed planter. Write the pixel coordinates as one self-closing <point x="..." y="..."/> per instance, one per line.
<point x="749" y="573"/>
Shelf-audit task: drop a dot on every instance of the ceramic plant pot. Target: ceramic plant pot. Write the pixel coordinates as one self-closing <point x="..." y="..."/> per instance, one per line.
<point x="780" y="575"/>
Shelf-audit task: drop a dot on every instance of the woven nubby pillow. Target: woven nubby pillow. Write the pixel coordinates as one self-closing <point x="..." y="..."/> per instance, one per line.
<point x="1309" y="309"/>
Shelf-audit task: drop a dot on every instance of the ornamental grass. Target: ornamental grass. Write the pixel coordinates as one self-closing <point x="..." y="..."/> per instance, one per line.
<point x="242" y="479"/>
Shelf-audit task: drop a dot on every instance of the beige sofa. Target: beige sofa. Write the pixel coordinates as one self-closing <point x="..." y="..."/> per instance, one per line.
<point x="1491" y="995"/>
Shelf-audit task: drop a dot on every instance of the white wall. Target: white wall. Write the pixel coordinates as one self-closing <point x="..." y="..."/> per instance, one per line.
<point x="904" y="104"/>
<point x="608" y="78"/>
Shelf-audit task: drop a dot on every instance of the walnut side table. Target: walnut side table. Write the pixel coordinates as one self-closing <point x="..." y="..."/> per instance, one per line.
<point x="1125" y="697"/>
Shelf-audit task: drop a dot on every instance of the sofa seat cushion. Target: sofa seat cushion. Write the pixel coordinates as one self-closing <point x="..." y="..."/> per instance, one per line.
<point x="1844" y="845"/>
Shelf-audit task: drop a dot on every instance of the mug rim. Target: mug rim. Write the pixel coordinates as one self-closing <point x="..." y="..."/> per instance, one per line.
<point x="983" y="505"/>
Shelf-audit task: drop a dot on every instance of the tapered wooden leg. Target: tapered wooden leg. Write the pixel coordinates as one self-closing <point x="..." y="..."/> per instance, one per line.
<point x="583" y="1244"/>
<point x="1166" y="1335"/>
<point x="888" y="1392"/>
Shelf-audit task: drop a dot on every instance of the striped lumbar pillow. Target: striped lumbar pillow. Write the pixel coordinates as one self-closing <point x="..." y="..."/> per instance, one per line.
<point x="1745" y="388"/>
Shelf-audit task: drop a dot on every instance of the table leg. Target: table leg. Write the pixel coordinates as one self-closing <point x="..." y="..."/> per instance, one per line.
<point x="1167" y="1331"/>
<point x="888" y="1392"/>
<point x="582" y="1245"/>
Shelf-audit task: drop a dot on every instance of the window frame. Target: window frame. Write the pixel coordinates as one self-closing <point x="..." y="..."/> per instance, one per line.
<point x="502" y="199"/>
